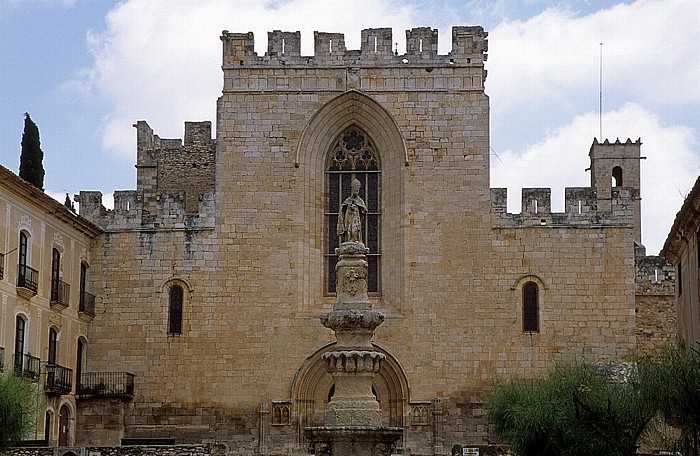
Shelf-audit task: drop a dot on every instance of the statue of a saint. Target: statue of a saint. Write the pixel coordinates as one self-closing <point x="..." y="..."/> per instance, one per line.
<point x="350" y="217"/>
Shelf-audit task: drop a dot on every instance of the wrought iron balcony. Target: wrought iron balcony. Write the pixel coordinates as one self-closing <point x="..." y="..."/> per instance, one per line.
<point x="27" y="280"/>
<point x="2" y="265"/>
<point x="106" y="384"/>
<point x="27" y="365"/>
<point x="60" y="292"/>
<point x="87" y="303"/>
<point x="59" y="379"/>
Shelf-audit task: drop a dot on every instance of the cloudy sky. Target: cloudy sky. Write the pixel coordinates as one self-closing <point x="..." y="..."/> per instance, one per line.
<point x="86" y="70"/>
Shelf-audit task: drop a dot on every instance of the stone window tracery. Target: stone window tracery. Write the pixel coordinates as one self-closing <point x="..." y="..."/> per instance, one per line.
<point x="353" y="156"/>
<point x="281" y="413"/>
<point x="421" y="413"/>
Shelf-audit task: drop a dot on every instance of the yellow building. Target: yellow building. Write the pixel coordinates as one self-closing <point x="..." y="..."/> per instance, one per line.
<point x="46" y="301"/>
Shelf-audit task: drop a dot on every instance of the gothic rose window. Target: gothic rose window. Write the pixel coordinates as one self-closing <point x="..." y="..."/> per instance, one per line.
<point x="353" y="156"/>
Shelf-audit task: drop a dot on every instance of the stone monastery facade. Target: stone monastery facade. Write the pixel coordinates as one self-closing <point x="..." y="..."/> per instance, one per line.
<point x="213" y="272"/>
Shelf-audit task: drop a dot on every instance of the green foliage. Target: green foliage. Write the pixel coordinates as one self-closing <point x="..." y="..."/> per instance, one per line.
<point x="31" y="168"/>
<point x="574" y="411"/>
<point x="17" y="398"/>
<point x="674" y="381"/>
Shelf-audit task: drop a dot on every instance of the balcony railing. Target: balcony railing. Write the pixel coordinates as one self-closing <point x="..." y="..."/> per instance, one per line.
<point x="59" y="379"/>
<point x="27" y="278"/>
<point x="27" y="365"/>
<point x="106" y="384"/>
<point x="60" y="291"/>
<point x="2" y="265"/>
<point x="87" y="303"/>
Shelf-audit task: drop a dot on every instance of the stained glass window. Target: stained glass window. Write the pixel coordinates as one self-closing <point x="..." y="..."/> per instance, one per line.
<point x="353" y="156"/>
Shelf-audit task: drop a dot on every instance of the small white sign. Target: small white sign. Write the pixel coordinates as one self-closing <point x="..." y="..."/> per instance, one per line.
<point x="469" y="451"/>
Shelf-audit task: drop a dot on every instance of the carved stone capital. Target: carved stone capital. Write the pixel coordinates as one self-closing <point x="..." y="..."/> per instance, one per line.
<point x="353" y="361"/>
<point x="350" y="320"/>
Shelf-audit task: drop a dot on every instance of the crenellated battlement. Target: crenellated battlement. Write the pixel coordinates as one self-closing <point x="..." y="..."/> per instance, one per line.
<point x="375" y="66"/>
<point x="132" y="212"/>
<point x="581" y="208"/>
<point x="611" y="200"/>
<point x="469" y="47"/>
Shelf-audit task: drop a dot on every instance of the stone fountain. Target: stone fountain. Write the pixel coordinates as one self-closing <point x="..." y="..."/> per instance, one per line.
<point x="353" y="419"/>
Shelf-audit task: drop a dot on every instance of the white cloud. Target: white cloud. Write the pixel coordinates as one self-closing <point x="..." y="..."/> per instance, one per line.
<point x="651" y="54"/>
<point x="559" y="161"/>
<point x="160" y="60"/>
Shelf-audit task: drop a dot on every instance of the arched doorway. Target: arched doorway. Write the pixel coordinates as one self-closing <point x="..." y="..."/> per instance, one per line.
<point x="312" y="388"/>
<point x="64" y="426"/>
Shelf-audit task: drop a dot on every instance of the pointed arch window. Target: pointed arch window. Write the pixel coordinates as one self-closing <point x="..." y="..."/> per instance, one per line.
<point x="531" y="318"/>
<point x="175" y="310"/>
<point x="353" y="155"/>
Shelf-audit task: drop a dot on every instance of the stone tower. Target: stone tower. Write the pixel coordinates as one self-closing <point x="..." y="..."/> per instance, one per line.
<point x="615" y="168"/>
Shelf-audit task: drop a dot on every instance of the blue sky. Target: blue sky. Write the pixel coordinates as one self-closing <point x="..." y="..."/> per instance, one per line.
<point x="86" y="70"/>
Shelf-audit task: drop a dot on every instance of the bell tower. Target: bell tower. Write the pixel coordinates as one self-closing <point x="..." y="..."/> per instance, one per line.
<point x="614" y="167"/>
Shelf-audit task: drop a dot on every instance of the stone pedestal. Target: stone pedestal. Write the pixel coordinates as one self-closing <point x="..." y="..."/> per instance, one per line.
<point x="353" y="418"/>
<point x="353" y="441"/>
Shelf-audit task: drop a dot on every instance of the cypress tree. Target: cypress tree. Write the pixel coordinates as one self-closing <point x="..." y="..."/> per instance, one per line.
<point x="68" y="203"/>
<point x="30" y="166"/>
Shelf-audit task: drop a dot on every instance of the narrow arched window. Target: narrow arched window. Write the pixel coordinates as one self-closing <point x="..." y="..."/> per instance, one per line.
<point x="53" y="345"/>
<point x="83" y="284"/>
<point x="353" y="156"/>
<point x="79" y="361"/>
<point x="175" y="310"/>
<point x="55" y="275"/>
<point x="23" y="248"/>
<point x="617" y="176"/>
<point x="24" y="275"/>
<point x="531" y="307"/>
<point x="20" y="329"/>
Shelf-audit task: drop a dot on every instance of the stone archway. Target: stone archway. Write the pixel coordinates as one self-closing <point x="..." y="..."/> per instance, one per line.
<point x="312" y="385"/>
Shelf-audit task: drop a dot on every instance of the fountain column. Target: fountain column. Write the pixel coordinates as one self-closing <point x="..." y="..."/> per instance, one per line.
<point x="353" y="419"/>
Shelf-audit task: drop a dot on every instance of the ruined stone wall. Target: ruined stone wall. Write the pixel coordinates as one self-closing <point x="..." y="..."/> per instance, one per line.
<point x="655" y="304"/>
<point x="169" y="165"/>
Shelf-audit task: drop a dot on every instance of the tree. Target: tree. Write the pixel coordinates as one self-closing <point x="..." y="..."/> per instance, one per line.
<point x="69" y="204"/>
<point x="16" y="407"/>
<point x="573" y="411"/>
<point x="30" y="162"/>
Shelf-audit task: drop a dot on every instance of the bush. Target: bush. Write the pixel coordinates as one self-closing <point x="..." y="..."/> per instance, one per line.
<point x="572" y="411"/>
